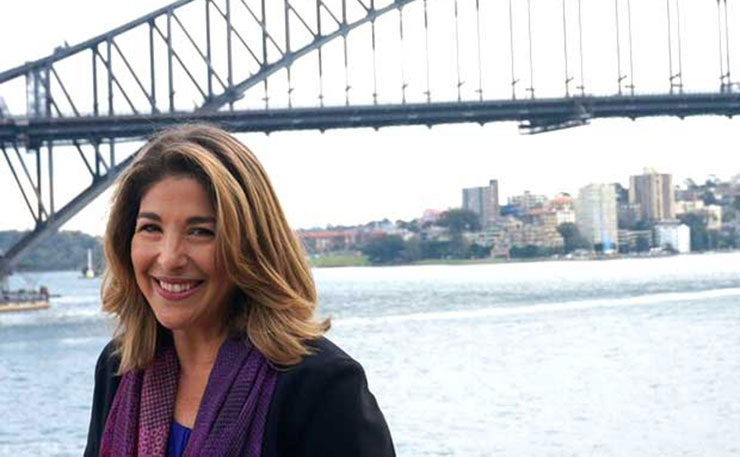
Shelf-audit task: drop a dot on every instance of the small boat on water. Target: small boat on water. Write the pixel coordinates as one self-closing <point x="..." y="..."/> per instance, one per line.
<point x="22" y="300"/>
<point x="88" y="272"/>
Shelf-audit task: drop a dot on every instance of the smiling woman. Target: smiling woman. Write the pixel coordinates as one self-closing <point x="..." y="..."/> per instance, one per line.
<point x="173" y="255"/>
<point x="217" y="349"/>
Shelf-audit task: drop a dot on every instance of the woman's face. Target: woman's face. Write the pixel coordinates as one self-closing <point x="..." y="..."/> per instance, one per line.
<point x="173" y="252"/>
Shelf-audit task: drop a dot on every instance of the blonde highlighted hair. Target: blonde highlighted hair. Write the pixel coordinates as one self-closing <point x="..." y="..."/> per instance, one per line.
<point x="276" y="298"/>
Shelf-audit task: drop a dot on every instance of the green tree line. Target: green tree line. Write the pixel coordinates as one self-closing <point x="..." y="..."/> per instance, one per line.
<point x="65" y="250"/>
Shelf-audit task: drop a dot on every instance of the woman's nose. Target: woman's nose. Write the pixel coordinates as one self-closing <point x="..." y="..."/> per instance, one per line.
<point x="172" y="255"/>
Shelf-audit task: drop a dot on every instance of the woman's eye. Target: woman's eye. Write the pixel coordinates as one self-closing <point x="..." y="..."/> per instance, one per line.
<point x="199" y="231"/>
<point x="148" y="228"/>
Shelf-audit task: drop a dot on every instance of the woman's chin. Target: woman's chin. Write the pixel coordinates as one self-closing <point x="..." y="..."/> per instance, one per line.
<point x="173" y="319"/>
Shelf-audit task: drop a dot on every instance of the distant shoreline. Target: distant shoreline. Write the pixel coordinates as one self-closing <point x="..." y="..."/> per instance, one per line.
<point x="343" y="261"/>
<point x="336" y="261"/>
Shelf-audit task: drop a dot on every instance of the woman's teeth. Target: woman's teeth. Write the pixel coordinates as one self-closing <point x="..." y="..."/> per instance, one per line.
<point x="177" y="288"/>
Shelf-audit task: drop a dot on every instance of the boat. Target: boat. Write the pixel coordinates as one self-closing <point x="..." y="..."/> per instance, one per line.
<point x="88" y="272"/>
<point x="23" y="300"/>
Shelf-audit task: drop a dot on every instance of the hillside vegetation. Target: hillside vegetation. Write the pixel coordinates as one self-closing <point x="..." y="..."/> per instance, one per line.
<point x="62" y="251"/>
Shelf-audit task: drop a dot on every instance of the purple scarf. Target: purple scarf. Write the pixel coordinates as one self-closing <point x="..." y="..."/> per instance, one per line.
<point x="231" y="417"/>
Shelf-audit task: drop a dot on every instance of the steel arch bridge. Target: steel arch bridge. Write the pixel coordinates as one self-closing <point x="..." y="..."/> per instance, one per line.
<point x="254" y="65"/>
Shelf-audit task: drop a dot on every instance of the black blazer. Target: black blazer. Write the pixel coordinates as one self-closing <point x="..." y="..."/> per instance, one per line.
<point x="321" y="407"/>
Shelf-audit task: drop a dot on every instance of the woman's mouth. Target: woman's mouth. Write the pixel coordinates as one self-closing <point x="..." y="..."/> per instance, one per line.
<point x="176" y="290"/>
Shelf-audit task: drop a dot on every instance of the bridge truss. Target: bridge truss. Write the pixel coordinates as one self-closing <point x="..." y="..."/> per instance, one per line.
<point x="265" y="66"/>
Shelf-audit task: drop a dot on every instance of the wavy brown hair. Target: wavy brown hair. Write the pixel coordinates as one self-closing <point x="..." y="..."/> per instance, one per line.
<point x="276" y="298"/>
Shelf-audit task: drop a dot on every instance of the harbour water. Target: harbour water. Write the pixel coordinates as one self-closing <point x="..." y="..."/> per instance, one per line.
<point x="570" y="358"/>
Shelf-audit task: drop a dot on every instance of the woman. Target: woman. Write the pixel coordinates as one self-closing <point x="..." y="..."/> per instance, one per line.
<point x="217" y="350"/>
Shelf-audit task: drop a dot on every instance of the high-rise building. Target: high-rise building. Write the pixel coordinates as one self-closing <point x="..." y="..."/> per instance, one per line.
<point x="653" y="191"/>
<point x="596" y="215"/>
<point x="483" y="201"/>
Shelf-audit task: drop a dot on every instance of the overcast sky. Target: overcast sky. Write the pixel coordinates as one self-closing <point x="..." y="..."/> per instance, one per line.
<point x="358" y="175"/>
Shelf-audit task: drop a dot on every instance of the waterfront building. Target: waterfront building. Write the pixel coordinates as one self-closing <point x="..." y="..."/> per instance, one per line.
<point x="629" y="240"/>
<point x="521" y="234"/>
<point x="712" y="214"/>
<point x="564" y="208"/>
<point x="321" y="241"/>
<point x="483" y="201"/>
<point x="528" y="201"/>
<point x="654" y="193"/>
<point x="628" y="214"/>
<point x="694" y="205"/>
<point x="543" y="216"/>
<point x="495" y="237"/>
<point x="673" y="234"/>
<point x="510" y="210"/>
<point x="596" y="215"/>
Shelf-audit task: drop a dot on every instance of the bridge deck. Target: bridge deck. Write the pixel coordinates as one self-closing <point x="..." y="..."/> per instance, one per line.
<point x="533" y="112"/>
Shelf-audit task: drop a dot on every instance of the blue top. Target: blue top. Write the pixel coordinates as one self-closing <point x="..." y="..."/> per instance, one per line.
<point x="179" y="436"/>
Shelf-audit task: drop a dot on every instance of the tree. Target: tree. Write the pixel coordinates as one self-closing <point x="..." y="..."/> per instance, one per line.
<point x="697" y="223"/>
<point x="531" y="251"/>
<point x="477" y="251"/>
<point x="384" y="249"/>
<point x="572" y="237"/>
<point x="459" y="220"/>
<point x="61" y="251"/>
<point x="524" y="252"/>
<point x="412" y="250"/>
<point x="709" y="198"/>
<point x="412" y="226"/>
<point x="434" y="249"/>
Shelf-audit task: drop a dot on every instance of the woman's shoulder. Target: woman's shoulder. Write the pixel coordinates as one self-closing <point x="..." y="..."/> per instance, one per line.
<point x="106" y="384"/>
<point x="324" y="354"/>
<point x="322" y="406"/>
<point x="326" y="364"/>
<point x="108" y="361"/>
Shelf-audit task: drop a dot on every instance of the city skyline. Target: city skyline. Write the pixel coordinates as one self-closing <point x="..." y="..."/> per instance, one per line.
<point x="520" y="199"/>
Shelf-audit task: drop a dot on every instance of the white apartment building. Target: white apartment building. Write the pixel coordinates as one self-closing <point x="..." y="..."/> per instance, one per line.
<point x="673" y="234"/>
<point x="596" y="215"/>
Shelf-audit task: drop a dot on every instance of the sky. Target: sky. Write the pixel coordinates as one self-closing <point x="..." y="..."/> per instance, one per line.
<point x="344" y="177"/>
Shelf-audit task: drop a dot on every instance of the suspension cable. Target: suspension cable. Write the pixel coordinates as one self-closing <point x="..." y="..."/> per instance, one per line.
<point x="619" y="52"/>
<point x="531" y="62"/>
<point x="580" y="48"/>
<point x="727" y="44"/>
<point x="426" y="42"/>
<point x="678" y="31"/>
<point x="629" y="31"/>
<point x="375" y="64"/>
<point x="403" y="70"/>
<point x="565" y="51"/>
<point x="721" y="55"/>
<point x="670" y="44"/>
<point x="511" y="51"/>
<point x="457" y="53"/>
<point x="480" y="68"/>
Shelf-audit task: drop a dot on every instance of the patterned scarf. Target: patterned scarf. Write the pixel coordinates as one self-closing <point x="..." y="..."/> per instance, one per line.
<point x="231" y="417"/>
